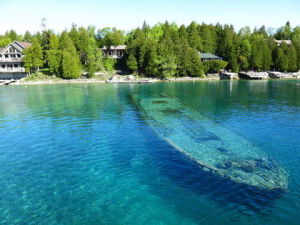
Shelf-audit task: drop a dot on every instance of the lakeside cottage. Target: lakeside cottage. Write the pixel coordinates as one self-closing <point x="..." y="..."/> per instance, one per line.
<point x="11" y="60"/>
<point x="279" y="42"/>
<point x="116" y="52"/>
<point x="209" y="56"/>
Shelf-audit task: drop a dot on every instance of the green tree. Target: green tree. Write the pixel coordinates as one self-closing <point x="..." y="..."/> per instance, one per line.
<point x="244" y="54"/>
<point x="4" y="41"/>
<point x="110" y="36"/>
<point x="245" y="32"/>
<point x="228" y="48"/>
<point x="33" y="59"/>
<point x="281" y="61"/>
<point x="12" y="35"/>
<point x="132" y="63"/>
<point x="292" y="59"/>
<point x="54" y="55"/>
<point x="214" y="66"/>
<point x="166" y="66"/>
<point x="70" y="64"/>
<point x="194" y="37"/>
<point x="189" y="62"/>
<point x="284" y="33"/>
<point x="94" y="61"/>
<point x="296" y="43"/>
<point x="28" y="37"/>
<point x="209" y="39"/>
<point x="109" y="64"/>
<point x="261" y="53"/>
<point x="70" y="70"/>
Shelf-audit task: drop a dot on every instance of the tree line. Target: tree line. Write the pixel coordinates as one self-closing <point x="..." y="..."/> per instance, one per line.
<point x="166" y="49"/>
<point x="162" y="50"/>
<point x="69" y="54"/>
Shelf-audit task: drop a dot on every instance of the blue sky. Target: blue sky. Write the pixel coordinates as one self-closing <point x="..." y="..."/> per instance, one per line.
<point x="25" y="15"/>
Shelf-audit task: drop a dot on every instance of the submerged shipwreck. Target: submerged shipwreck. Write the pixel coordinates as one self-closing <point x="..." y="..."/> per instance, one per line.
<point x="215" y="149"/>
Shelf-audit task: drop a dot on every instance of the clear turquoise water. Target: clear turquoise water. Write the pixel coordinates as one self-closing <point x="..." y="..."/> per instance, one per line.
<point x="83" y="154"/>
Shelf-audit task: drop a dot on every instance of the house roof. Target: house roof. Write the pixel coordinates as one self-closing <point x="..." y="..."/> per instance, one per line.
<point x="208" y="56"/>
<point x="118" y="47"/>
<point x="288" y="42"/>
<point x="24" y="44"/>
<point x="17" y="44"/>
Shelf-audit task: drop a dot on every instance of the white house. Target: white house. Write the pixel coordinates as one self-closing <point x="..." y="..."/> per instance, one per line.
<point x="11" y="60"/>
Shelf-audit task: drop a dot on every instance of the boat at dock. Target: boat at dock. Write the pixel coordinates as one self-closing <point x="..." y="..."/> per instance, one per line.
<point x="214" y="148"/>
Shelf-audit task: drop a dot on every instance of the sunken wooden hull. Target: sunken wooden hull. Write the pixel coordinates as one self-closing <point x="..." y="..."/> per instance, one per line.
<point x="214" y="148"/>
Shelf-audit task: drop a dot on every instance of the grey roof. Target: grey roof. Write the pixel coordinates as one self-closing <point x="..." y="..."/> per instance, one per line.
<point x="288" y="42"/>
<point x="118" y="47"/>
<point x="17" y="44"/>
<point x="208" y="56"/>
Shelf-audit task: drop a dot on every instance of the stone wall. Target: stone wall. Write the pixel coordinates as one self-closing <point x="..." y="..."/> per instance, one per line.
<point x="12" y="76"/>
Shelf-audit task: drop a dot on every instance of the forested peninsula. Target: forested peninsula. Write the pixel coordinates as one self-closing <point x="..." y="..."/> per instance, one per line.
<point x="160" y="51"/>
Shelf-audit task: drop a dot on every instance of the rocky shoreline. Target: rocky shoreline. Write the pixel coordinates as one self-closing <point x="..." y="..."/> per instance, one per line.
<point x="75" y="81"/>
<point x="133" y="79"/>
<point x="139" y="80"/>
<point x="252" y="75"/>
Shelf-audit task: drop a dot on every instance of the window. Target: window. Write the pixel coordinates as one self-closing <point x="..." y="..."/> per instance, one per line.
<point x="16" y="66"/>
<point x="3" y="66"/>
<point x="6" y="56"/>
<point x="19" y="56"/>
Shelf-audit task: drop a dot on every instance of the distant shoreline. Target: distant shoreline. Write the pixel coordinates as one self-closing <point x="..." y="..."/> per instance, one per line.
<point x="75" y="81"/>
<point x="139" y="80"/>
<point x="96" y="81"/>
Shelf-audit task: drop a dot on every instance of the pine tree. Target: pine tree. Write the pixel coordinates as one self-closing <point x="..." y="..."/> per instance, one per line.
<point x="292" y="59"/>
<point x="12" y="35"/>
<point x="266" y="56"/>
<point x="33" y="59"/>
<point x="244" y="54"/>
<point x="70" y="67"/>
<point x="208" y="36"/>
<point x="132" y="63"/>
<point x="296" y="44"/>
<point x="27" y="37"/>
<point x="54" y="55"/>
<point x="281" y="62"/>
<point x="94" y="61"/>
<point x="194" y="37"/>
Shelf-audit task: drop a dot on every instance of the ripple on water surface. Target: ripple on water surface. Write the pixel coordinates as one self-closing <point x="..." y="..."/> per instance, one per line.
<point x="83" y="154"/>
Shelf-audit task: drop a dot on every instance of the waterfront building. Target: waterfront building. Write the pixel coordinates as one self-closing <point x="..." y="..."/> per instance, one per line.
<point x="116" y="52"/>
<point x="11" y="60"/>
<point x="209" y="56"/>
<point x="279" y="42"/>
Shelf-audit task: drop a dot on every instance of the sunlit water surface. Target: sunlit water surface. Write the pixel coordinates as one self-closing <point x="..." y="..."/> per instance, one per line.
<point x="83" y="154"/>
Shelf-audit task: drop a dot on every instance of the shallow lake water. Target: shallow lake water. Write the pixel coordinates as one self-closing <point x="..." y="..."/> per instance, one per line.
<point x="84" y="154"/>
